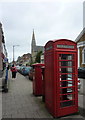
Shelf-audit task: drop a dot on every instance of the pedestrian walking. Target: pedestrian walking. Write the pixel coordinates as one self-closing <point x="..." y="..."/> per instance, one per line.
<point x="14" y="71"/>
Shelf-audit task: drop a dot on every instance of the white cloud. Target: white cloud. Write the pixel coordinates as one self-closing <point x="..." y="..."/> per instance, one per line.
<point x="84" y="14"/>
<point x="41" y="1"/>
<point x="51" y="20"/>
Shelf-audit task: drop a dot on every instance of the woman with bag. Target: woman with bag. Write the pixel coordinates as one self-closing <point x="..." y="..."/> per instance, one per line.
<point x="13" y="70"/>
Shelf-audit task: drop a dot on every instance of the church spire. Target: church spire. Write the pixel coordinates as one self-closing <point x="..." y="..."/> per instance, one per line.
<point x="33" y="44"/>
<point x="33" y="38"/>
<point x="33" y="35"/>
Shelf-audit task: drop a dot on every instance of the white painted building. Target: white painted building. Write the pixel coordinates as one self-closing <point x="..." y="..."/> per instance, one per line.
<point x="80" y="40"/>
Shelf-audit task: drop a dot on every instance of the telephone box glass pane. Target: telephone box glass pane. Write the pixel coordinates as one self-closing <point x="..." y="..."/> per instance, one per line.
<point x="68" y="97"/>
<point x="67" y="103"/>
<point x="67" y="90"/>
<point x="66" y="83"/>
<point x="65" y="57"/>
<point x="66" y="63"/>
<point x="66" y="77"/>
<point x="69" y="77"/>
<point x="66" y="69"/>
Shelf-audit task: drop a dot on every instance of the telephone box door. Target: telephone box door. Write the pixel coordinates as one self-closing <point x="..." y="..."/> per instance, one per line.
<point x="68" y="93"/>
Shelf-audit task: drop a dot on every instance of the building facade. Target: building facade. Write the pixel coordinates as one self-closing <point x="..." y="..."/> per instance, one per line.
<point x="35" y="48"/>
<point x="80" y="40"/>
<point x="3" y="51"/>
<point x="24" y="59"/>
<point x="42" y="58"/>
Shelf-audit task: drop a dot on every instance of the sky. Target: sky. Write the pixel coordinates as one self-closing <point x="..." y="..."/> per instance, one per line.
<point x="50" y="19"/>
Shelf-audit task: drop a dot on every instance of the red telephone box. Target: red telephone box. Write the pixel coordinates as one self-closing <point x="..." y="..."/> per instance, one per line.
<point x="61" y="90"/>
<point x="37" y="79"/>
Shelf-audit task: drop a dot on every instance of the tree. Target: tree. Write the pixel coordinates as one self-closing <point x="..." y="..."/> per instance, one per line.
<point x="38" y="56"/>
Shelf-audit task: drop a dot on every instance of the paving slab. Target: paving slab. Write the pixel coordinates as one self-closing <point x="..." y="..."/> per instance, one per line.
<point x="20" y="102"/>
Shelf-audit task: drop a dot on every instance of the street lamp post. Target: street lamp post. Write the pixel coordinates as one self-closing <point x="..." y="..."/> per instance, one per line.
<point x="13" y="52"/>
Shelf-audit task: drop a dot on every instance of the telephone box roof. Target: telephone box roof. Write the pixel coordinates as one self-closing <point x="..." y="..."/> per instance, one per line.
<point x="57" y="40"/>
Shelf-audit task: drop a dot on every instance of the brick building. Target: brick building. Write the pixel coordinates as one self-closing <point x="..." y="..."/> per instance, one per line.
<point x="24" y="59"/>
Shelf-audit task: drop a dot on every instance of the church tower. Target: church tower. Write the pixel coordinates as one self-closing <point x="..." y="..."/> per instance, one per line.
<point x="33" y="44"/>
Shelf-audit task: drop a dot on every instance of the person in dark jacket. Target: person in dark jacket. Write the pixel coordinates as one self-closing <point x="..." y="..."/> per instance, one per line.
<point x="13" y="70"/>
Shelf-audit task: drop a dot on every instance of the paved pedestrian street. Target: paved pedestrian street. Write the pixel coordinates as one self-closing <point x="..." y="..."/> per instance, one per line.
<point x="19" y="102"/>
